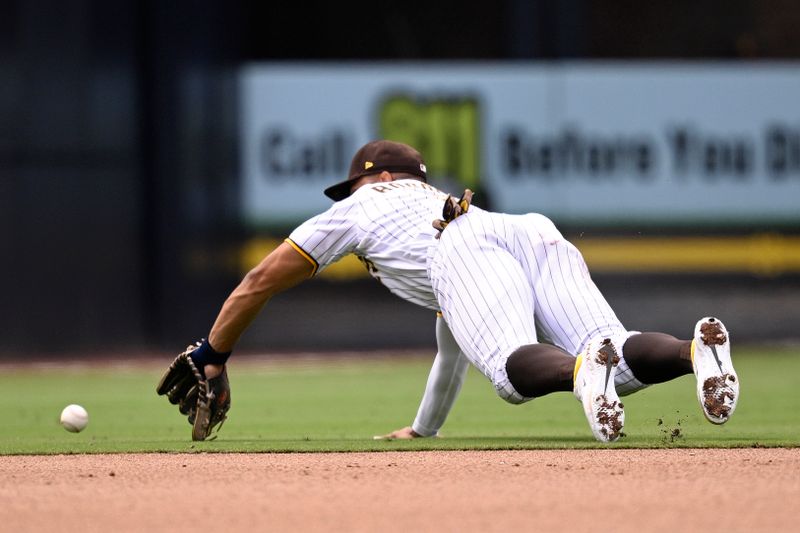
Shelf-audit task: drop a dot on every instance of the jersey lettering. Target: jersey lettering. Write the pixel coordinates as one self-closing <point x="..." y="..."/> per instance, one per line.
<point x="394" y="185"/>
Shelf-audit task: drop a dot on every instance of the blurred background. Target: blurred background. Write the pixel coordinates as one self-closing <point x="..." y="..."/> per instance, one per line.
<point x="152" y="152"/>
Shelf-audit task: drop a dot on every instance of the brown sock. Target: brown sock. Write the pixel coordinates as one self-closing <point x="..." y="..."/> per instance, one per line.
<point x="538" y="369"/>
<point x="657" y="357"/>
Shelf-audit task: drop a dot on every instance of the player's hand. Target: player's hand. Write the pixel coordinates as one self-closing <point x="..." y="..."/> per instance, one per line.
<point x="404" y="433"/>
<point x="203" y="396"/>
<point x="212" y="371"/>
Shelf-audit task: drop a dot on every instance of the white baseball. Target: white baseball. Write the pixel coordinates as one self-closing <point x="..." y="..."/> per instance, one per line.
<point x="74" y="418"/>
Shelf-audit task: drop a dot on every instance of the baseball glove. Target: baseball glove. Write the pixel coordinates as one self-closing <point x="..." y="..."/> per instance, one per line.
<point x="452" y="210"/>
<point x="205" y="401"/>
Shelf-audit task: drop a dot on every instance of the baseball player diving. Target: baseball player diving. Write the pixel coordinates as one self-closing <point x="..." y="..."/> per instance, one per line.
<point x="512" y="297"/>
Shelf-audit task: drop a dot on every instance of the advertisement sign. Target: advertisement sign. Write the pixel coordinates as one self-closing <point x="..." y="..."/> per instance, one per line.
<point x="584" y="143"/>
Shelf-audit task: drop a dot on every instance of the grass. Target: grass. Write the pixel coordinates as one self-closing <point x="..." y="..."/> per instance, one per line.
<point x="340" y="405"/>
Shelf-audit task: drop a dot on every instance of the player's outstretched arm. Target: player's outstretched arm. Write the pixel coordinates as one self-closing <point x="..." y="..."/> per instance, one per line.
<point x="196" y="381"/>
<point x="280" y="270"/>
<point x="444" y="383"/>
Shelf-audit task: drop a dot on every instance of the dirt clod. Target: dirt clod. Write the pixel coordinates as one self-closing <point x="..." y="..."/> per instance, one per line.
<point x="716" y="396"/>
<point x="607" y="353"/>
<point x="609" y="415"/>
<point x="712" y="333"/>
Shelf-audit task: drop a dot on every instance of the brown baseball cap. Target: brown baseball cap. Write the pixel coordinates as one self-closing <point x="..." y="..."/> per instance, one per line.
<point x="375" y="157"/>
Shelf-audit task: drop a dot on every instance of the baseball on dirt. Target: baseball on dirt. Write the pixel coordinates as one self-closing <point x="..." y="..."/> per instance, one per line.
<point x="74" y="418"/>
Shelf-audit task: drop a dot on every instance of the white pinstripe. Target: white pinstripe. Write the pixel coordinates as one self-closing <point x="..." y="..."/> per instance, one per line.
<point x="497" y="278"/>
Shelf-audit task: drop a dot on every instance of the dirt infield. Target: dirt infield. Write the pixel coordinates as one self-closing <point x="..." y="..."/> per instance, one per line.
<point x="601" y="490"/>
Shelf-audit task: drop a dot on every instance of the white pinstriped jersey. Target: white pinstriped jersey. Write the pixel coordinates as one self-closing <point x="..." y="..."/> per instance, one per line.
<point x="388" y="226"/>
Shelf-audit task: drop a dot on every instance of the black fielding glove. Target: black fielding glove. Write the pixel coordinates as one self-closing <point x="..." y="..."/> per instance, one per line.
<point x="452" y="210"/>
<point x="205" y="401"/>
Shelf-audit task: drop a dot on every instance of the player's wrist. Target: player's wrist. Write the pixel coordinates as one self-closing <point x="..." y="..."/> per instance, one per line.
<point x="205" y="354"/>
<point x="420" y="431"/>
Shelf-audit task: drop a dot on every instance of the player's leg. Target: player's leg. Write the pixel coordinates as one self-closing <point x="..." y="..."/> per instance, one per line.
<point x="570" y="309"/>
<point x="651" y="358"/>
<point x="573" y="314"/>
<point x="486" y="296"/>
<point x="486" y="300"/>
<point x="487" y="304"/>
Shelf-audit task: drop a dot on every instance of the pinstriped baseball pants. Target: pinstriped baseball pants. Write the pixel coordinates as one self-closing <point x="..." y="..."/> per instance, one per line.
<point x="505" y="281"/>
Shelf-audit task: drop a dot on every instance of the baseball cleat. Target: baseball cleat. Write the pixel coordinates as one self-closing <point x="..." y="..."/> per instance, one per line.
<point x="594" y="387"/>
<point x="717" y="382"/>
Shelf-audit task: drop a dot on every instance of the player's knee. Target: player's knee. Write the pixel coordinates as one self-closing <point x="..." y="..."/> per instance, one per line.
<point x="505" y="389"/>
<point x="510" y="395"/>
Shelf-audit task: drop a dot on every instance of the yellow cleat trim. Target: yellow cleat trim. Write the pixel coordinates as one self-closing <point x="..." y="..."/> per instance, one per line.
<point x="578" y="363"/>
<point x="691" y="352"/>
